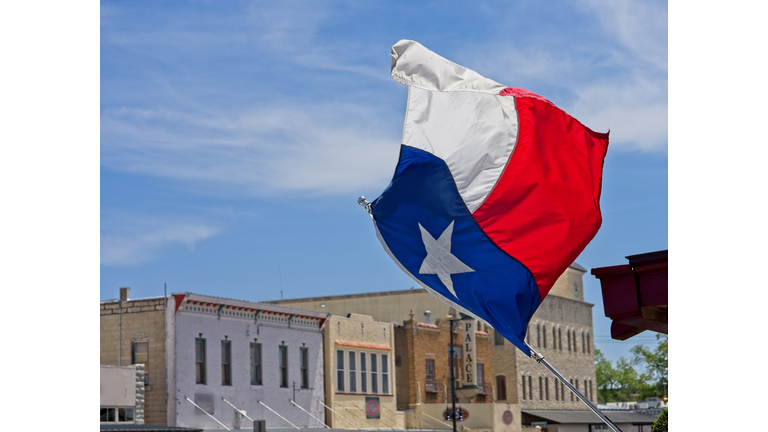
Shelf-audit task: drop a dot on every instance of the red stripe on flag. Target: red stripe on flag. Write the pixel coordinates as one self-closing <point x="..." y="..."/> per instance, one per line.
<point x="545" y="208"/>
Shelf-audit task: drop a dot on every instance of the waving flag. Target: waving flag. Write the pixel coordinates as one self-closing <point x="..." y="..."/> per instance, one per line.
<point x="496" y="192"/>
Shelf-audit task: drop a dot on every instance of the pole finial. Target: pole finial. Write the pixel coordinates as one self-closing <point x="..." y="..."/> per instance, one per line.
<point x="365" y="203"/>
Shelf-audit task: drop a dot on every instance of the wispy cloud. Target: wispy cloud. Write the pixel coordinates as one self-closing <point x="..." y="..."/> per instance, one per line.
<point x="315" y="148"/>
<point x="132" y="240"/>
<point x="613" y="76"/>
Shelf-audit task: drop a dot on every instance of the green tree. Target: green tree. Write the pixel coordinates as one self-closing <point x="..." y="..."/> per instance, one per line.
<point x="655" y="362"/>
<point x="662" y="423"/>
<point x="623" y="383"/>
<point x="616" y="384"/>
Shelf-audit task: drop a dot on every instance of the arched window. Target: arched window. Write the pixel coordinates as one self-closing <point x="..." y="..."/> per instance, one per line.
<point x="589" y="345"/>
<point x="568" y="332"/>
<point x="544" y="334"/>
<point x="541" y="387"/>
<point x="501" y="388"/>
<point x="538" y="335"/>
<point x="560" y="338"/>
<point x="524" y="385"/>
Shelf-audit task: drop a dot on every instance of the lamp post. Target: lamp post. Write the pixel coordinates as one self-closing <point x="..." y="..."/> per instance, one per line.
<point x="453" y="379"/>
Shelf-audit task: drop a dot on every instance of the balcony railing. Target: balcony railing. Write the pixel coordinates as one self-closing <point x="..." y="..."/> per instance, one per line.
<point x="485" y="389"/>
<point x="434" y="387"/>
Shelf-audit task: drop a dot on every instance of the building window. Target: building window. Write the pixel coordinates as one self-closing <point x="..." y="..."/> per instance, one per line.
<point x="374" y="374"/>
<point x="546" y="387"/>
<point x="498" y="339"/>
<point x="560" y="338"/>
<point x="385" y="373"/>
<point x="199" y="361"/>
<point x="589" y="345"/>
<point x="525" y="388"/>
<point x="340" y="370"/>
<point x="541" y="388"/>
<point x="140" y="355"/>
<point x="530" y="387"/>
<point x="283" y="366"/>
<point x="116" y="414"/>
<point x="544" y="335"/>
<point x="226" y="363"/>
<point x="557" y="391"/>
<point x="480" y="374"/>
<point x="140" y="352"/>
<point x="256" y="364"/>
<point x="583" y="343"/>
<point x="569" y="339"/>
<point x="538" y="335"/>
<point x="430" y="368"/>
<point x="571" y="381"/>
<point x="501" y="388"/>
<point x="554" y="338"/>
<point x="304" y="359"/>
<point x="363" y="373"/>
<point x="352" y="372"/>
<point x="575" y="345"/>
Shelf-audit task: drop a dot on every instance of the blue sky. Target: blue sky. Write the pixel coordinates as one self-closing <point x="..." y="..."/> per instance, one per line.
<point x="235" y="137"/>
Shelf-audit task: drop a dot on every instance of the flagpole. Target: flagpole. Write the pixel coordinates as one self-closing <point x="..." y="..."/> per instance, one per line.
<point x="540" y="358"/>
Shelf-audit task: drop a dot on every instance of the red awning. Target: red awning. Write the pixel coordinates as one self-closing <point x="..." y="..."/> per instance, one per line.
<point x="635" y="294"/>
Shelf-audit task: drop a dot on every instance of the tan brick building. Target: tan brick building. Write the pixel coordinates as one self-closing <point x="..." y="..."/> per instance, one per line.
<point x="133" y="332"/>
<point x="360" y="384"/>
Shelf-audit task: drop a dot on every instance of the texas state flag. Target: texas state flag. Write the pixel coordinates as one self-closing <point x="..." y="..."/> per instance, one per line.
<point x="496" y="192"/>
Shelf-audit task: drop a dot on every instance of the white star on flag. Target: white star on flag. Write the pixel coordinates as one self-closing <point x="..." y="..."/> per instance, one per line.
<point x="439" y="259"/>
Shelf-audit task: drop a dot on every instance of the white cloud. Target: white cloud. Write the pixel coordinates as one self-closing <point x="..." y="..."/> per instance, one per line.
<point x="131" y="241"/>
<point x="640" y="26"/>
<point x="316" y="149"/>
<point x="634" y="110"/>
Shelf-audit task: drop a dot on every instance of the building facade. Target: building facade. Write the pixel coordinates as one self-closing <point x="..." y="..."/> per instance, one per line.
<point x="430" y="356"/>
<point x="133" y="331"/>
<point x="220" y="362"/>
<point x="241" y="361"/>
<point x="360" y="385"/>
<point x="561" y="330"/>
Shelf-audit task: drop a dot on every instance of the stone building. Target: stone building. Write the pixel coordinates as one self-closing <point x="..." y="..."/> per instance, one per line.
<point x="564" y="320"/>
<point x="360" y="385"/>
<point x="560" y="330"/>
<point x="213" y="361"/>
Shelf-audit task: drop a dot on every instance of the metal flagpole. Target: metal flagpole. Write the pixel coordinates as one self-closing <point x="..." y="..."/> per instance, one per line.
<point x="540" y="358"/>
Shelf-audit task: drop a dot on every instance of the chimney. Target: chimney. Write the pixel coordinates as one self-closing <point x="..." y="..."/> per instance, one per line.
<point x="427" y="314"/>
<point x="125" y="294"/>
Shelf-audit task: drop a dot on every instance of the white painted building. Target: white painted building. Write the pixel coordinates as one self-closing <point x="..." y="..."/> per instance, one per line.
<point x="231" y="355"/>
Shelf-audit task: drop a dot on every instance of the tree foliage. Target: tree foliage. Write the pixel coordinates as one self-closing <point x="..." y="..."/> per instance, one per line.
<point x="661" y="423"/>
<point x="622" y="382"/>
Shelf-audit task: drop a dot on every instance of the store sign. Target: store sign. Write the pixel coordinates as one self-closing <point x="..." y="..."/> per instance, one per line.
<point x="469" y="377"/>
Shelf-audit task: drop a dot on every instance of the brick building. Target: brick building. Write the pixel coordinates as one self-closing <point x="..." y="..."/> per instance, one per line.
<point x="360" y="385"/>
<point x="133" y="332"/>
